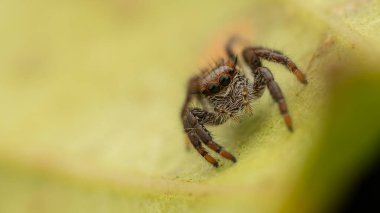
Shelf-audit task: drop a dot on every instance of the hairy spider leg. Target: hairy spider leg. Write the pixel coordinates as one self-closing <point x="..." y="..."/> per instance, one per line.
<point x="192" y="88"/>
<point x="205" y="136"/>
<point x="267" y="54"/>
<point x="277" y="95"/>
<point x="263" y="77"/>
<point x="189" y="123"/>
<point x="278" y="57"/>
<point x="197" y="133"/>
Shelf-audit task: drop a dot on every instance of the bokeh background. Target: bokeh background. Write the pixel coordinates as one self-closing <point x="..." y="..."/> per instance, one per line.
<point x="91" y="93"/>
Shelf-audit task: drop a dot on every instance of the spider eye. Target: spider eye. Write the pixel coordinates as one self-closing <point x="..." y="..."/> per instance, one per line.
<point x="224" y="80"/>
<point x="214" y="88"/>
<point x="231" y="71"/>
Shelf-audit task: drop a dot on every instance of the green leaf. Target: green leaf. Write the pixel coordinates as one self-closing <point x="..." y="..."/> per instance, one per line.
<point x="91" y="93"/>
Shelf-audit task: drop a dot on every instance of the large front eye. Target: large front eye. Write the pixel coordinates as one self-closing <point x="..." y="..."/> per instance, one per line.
<point x="213" y="88"/>
<point x="224" y="80"/>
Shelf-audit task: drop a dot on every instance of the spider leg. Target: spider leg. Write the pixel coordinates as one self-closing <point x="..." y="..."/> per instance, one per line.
<point x="263" y="76"/>
<point x="192" y="88"/>
<point x="198" y="133"/>
<point x="278" y="57"/>
<point x="189" y="121"/>
<point x="205" y="136"/>
<point x="276" y="94"/>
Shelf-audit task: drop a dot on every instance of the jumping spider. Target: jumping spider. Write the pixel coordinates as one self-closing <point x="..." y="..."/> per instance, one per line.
<point x="228" y="92"/>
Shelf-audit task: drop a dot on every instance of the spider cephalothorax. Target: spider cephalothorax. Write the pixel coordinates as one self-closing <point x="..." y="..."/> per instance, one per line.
<point x="214" y="81"/>
<point x="225" y="92"/>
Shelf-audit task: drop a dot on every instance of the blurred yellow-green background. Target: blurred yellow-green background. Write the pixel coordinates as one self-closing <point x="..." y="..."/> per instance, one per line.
<point x="91" y="92"/>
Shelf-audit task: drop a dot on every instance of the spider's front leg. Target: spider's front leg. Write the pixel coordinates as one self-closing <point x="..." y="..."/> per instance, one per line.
<point x="276" y="94"/>
<point x="263" y="76"/>
<point x="190" y="125"/>
<point x="197" y="133"/>
<point x="279" y="57"/>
